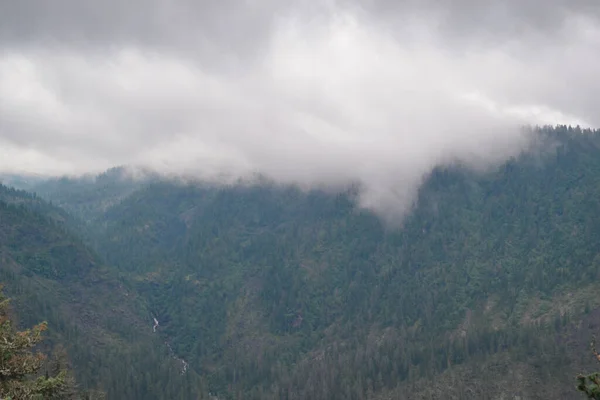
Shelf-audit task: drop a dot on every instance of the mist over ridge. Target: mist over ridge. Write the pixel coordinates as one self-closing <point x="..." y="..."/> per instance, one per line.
<point x="319" y="96"/>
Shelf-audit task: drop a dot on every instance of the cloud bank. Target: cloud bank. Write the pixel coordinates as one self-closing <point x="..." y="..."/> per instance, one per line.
<point x="377" y="92"/>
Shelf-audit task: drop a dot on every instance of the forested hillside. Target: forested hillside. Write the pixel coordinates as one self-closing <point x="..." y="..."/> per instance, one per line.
<point x="488" y="289"/>
<point x="102" y="323"/>
<point x="89" y="196"/>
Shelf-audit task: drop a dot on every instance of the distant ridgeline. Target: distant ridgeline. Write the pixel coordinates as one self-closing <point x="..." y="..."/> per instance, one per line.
<point x="488" y="289"/>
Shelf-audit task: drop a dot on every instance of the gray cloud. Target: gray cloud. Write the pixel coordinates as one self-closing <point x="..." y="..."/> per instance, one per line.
<point x="215" y="32"/>
<point x="379" y="92"/>
<point x="477" y="20"/>
<point x="240" y="25"/>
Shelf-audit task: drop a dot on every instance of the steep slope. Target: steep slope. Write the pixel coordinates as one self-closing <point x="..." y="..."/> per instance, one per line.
<point x="104" y="326"/>
<point x="272" y="292"/>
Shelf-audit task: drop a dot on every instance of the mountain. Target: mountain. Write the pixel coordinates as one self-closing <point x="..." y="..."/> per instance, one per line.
<point x="23" y="181"/>
<point x="486" y="291"/>
<point x="106" y="328"/>
<point x="89" y="195"/>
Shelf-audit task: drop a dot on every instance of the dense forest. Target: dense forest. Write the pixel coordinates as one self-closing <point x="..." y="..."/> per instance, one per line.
<point x="90" y="310"/>
<point x="163" y="289"/>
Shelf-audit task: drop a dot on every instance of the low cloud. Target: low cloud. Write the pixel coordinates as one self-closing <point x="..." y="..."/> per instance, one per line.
<point x="314" y="97"/>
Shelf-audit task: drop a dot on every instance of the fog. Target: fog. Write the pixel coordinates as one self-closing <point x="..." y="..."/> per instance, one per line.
<point x="378" y="93"/>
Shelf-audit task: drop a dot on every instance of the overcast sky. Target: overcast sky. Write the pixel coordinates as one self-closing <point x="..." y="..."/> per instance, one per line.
<point x="327" y="92"/>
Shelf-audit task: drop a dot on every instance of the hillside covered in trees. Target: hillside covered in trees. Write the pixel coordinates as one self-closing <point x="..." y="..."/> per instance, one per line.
<point x="104" y="327"/>
<point x="488" y="288"/>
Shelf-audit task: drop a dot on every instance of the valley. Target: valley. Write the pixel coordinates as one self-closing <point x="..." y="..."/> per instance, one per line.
<point x="181" y="290"/>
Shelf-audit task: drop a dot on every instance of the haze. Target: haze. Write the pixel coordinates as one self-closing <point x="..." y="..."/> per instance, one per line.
<point x="378" y="92"/>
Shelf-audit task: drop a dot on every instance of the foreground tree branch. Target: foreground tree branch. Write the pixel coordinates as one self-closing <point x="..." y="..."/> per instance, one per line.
<point x="590" y="384"/>
<point x="19" y="365"/>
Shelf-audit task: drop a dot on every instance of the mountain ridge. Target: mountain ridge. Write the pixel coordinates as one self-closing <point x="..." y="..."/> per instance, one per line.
<point x="275" y="291"/>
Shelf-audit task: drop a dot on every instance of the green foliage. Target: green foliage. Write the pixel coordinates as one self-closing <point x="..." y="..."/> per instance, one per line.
<point x="272" y="292"/>
<point x="88" y="196"/>
<point x="19" y="365"/>
<point x="590" y="384"/>
<point x="105" y="327"/>
<point x="267" y="289"/>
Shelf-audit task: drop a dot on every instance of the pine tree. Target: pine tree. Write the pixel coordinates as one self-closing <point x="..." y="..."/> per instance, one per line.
<point x="20" y="365"/>
<point x="590" y="384"/>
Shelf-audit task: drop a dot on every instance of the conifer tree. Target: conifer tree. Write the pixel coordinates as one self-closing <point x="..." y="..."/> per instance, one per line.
<point x="590" y="384"/>
<point x="20" y="364"/>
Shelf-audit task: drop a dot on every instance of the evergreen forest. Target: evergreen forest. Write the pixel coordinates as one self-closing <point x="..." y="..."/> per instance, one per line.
<point x="148" y="287"/>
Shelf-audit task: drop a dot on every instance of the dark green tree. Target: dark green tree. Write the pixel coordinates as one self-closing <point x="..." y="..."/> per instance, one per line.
<point x="590" y="384"/>
<point x="20" y="365"/>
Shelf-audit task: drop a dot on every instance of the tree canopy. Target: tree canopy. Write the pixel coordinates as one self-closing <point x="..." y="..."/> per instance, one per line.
<point x="20" y="364"/>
